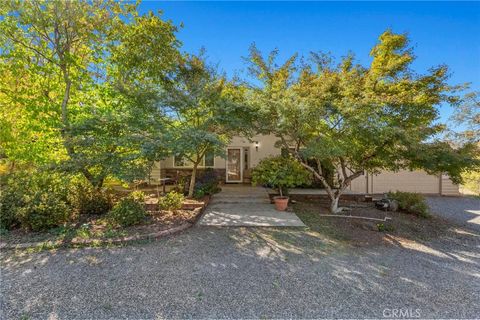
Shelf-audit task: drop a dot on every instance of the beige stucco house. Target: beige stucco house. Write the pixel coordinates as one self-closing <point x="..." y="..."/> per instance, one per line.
<point x="244" y="154"/>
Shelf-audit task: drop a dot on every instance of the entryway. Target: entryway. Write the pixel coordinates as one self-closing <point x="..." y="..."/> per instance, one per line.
<point x="244" y="205"/>
<point x="237" y="165"/>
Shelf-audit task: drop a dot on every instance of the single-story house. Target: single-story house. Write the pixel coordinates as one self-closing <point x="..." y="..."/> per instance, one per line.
<point x="243" y="154"/>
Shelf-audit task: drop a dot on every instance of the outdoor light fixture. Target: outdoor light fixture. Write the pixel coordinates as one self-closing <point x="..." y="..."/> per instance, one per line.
<point x="256" y="145"/>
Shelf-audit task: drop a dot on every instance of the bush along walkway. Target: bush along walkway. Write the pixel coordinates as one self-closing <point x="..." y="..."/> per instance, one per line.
<point x="160" y="224"/>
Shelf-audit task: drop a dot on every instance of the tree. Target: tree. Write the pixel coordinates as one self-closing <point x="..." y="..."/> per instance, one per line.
<point x="205" y="112"/>
<point x="466" y="119"/>
<point x="80" y="85"/>
<point x="357" y="119"/>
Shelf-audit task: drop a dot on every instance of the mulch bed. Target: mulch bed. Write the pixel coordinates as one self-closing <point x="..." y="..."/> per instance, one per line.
<point x="158" y="223"/>
<point x="360" y="232"/>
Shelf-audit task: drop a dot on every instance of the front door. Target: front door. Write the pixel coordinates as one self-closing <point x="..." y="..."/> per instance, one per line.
<point x="234" y="165"/>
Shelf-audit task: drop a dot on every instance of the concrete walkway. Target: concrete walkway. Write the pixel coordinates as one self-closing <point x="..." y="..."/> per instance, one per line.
<point x="241" y="205"/>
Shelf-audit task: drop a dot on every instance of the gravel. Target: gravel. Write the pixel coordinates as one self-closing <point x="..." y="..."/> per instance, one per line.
<point x="464" y="211"/>
<point x="209" y="272"/>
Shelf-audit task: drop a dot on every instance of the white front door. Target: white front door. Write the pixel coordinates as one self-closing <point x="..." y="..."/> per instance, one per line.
<point x="234" y="165"/>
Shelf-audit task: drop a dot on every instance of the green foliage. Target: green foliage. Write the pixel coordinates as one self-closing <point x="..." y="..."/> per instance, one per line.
<point x="467" y="117"/>
<point x="357" y="118"/>
<point x="385" y="227"/>
<point x="35" y="200"/>
<point x="280" y="172"/>
<point x="472" y="181"/>
<point x="138" y="196"/>
<point x="83" y="95"/>
<point x="88" y="200"/>
<point x="171" y="201"/>
<point x="411" y="202"/>
<point x="206" y="184"/>
<point x="208" y="111"/>
<point x="127" y="212"/>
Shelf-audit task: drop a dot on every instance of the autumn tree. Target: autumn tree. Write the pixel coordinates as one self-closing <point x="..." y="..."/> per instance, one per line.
<point x="357" y="119"/>
<point x="466" y="121"/>
<point x="79" y="85"/>
<point x="205" y="111"/>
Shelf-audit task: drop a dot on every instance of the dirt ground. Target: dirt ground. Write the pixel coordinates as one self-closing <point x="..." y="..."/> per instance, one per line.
<point x="361" y="232"/>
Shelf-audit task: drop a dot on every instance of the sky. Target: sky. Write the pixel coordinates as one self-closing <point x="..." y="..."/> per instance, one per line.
<point x="440" y="32"/>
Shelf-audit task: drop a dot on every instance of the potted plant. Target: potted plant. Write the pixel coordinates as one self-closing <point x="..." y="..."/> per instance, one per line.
<point x="280" y="172"/>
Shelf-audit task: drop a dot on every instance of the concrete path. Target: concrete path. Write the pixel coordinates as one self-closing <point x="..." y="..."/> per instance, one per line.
<point x="240" y="205"/>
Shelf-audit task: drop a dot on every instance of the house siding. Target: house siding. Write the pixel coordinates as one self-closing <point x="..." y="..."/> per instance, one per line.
<point x="403" y="180"/>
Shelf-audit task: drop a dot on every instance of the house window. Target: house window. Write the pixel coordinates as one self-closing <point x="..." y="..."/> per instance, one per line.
<point x="181" y="161"/>
<point x="207" y="161"/>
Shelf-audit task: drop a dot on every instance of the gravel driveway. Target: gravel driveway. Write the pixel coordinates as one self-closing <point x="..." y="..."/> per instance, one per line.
<point x="464" y="211"/>
<point x="209" y="272"/>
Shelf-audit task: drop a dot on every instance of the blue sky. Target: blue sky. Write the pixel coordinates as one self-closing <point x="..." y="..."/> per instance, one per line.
<point x="440" y="32"/>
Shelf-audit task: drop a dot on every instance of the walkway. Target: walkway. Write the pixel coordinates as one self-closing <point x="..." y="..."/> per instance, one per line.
<point x="241" y="205"/>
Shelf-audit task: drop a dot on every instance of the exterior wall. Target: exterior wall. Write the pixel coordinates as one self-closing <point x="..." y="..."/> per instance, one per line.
<point x="266" y="148"/>
<point x="448" y="188"/>
<point x="410" y="181"/>
<point x="359" y="185"/>
<point x="405" y="180"/>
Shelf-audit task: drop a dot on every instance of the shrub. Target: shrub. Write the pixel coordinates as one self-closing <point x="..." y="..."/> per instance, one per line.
<point x="127" y="212"/>
<point x="87" y="200"/>
<point x="206" y="184"/>
<point x="35" y="200"/>
<point x="280" y="172"/>
<point x="411" y="202"/>
<point x="171" y="201"/>
<point x="138" y="196"/>
<point x="385" y="227"/>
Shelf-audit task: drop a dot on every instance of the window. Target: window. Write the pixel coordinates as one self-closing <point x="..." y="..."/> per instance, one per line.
<point x="180" y="161"/>
<point x="207" y="161"/>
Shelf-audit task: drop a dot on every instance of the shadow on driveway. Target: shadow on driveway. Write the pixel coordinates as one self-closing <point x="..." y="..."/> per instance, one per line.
<point x="464" y="211"/>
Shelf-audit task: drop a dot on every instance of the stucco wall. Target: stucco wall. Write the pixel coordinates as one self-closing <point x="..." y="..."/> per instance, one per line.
<point x="404" y="180"/>
<point x="265" y="149"/>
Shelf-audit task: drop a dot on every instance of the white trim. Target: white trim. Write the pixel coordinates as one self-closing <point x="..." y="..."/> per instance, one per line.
<point x="201" y="165"/>
<point x="241" y="166"/>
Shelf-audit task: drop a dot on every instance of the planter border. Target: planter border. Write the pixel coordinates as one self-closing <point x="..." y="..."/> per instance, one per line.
<point x="53" y="244"/>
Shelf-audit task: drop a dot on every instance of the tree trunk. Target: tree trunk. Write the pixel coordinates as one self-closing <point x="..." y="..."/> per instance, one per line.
<point x="334" y="205"/>
<point x="191" y="188"/>
<point x="281" y="191"/>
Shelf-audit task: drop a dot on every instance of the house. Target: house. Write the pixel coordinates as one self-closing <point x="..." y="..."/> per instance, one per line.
<point x="244" y="154"/>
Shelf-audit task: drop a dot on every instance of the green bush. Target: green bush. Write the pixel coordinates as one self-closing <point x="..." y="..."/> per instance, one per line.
<point x="87" y="200"/>
<point x="280" y="172"/>
<point x="171" y="201"/>
<point x="127" y="212"/>
<point x="35" y="200"/>
<point x="206" y="184"/>
<point x="137" y="196"/>
<point x="411" y="202"/>
<point x="385" y="227"/>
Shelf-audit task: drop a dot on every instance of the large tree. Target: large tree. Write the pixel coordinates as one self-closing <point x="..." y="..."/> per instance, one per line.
<point x="466" y="121"/>
<point x="79" y="88"/>
<point x="205" y="111"/>
<point x="357" y="119"/>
